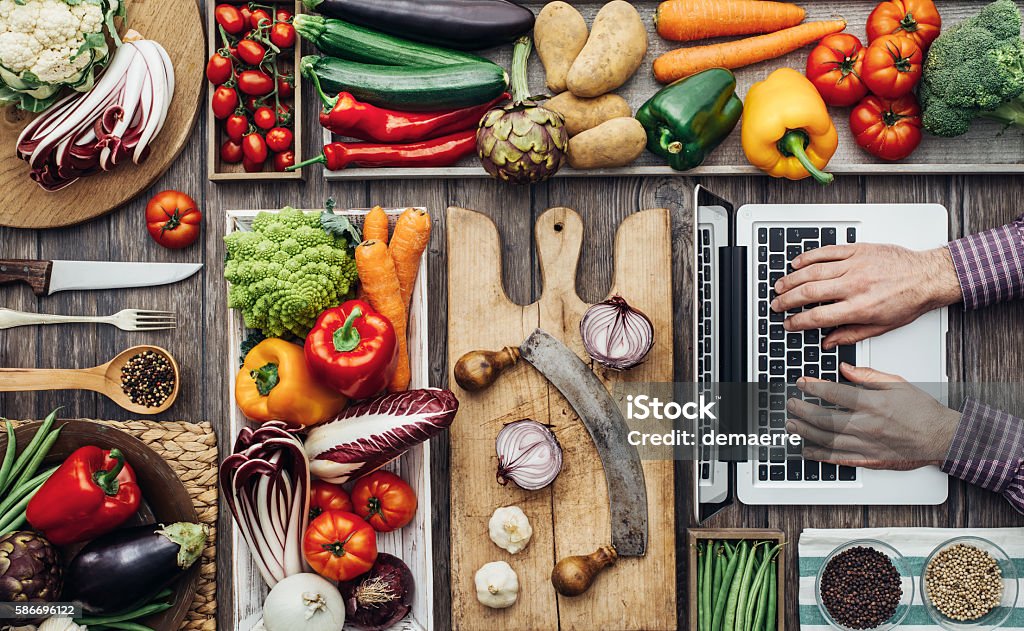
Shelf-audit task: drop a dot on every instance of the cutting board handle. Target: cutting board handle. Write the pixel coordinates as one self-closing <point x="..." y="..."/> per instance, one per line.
<point x="36" y="274"/>
<point x="559" y="242"/>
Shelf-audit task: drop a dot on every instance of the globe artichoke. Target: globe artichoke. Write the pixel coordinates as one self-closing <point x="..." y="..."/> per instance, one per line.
<point x="30" y="570"/>
<point x="522" y="143"/>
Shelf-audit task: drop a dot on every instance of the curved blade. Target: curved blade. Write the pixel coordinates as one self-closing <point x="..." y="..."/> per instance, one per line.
<point x="627" y="493"/>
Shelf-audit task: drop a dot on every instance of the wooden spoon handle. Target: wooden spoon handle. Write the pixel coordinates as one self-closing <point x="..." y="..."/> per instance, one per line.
<point x="36" y="274"/>
<point x="22" y="379"/>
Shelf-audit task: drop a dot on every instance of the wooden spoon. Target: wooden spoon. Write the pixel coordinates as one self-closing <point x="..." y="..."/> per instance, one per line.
<point x="105" y="379"/>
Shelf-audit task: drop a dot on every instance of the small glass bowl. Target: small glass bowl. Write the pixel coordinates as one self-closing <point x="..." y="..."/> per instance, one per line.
<point x="993" y="619"/>
<point x="906" y="581"/>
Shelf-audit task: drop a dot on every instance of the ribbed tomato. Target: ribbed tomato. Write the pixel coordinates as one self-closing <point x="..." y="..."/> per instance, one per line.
<point x="886" y="128"/>
<point x="339" y="545"/>
<point x="385" y="500"/>
<point x="892" y="66"/>
<point x="173" y="219"/>
<point x="834" y="68"/>
<point x="918" y="20"/>
<point x="324" y="496"/>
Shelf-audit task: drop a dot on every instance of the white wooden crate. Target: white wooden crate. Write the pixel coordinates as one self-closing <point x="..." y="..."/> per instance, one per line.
<point x="412" y="544"/>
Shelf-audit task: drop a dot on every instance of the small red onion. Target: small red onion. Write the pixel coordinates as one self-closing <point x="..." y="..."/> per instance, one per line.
<point x="616" y="335"/>
<point x="528" y="454"/>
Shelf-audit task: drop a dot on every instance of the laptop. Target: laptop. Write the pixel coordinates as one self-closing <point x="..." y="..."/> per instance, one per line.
<point x="753" y="347"/>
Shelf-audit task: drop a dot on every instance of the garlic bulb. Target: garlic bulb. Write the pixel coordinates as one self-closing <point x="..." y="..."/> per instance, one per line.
<point x="510" y="529"/>
<point x="60" y="624"/>
<point x="497" y="585"/>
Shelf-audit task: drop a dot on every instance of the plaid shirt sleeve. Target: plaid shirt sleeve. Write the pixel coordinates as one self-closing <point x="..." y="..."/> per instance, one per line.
<point x="988" y="451"/>
<point x="990" y="265"/>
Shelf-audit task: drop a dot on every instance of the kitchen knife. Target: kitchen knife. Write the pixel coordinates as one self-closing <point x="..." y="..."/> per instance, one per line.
<point x="49" y="277"/>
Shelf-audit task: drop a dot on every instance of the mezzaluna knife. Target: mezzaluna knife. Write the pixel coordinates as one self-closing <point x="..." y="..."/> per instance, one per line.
<point x="49" y="277"/>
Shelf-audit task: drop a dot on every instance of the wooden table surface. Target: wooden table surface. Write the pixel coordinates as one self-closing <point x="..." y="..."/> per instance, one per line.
<point x="982" y="346"/>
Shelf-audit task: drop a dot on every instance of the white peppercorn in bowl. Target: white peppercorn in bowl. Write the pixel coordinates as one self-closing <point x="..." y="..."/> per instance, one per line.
<point x="900" y="608"/>
<point x="964" y="549"/>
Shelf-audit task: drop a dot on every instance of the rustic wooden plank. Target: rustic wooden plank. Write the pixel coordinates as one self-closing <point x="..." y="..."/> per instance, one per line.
<point x="18" y="347"/>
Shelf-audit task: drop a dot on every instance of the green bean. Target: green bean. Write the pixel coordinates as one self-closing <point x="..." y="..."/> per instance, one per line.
<point x="30" y="451"/>
<point x="708" y="577"/>
<point x="12" y="446"/>
<point x="20" y="491"/>
<point x="741" y="605"/>
<point x="37" y="460"/>
<point x="762" y="602"/>
<point x="729" y="620"/>
<point x="141" y="612"/>
<point x="166" y="593"/>
<point x="13" y="517"/>
<point x="700" y="588"/>
<point x="756" y="587"/>
<point x="773" y="599"/>
<point x="723" y="590"/>
<point x="716" y="579"/>
<point x="123" y="626"/>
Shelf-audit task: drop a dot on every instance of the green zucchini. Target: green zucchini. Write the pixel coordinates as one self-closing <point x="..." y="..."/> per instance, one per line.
<point x="338" y="38"/>
<point x="408" y="88"/>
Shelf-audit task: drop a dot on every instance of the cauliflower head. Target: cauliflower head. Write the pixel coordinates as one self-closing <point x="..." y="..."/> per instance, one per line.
<point x="286" y="271"/>
<point x="46" y="45"/>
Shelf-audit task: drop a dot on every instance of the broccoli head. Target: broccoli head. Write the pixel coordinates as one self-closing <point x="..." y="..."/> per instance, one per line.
<point x="975" y="69"/>
<point x="286" y="271"/>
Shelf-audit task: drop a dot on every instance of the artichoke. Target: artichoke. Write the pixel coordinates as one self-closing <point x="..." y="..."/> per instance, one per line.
<point x="30" y="570"/>
<point x="522" y="143"/>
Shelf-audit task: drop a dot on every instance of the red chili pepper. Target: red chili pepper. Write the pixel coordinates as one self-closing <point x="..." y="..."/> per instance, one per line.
<point x="91" y="493"/>
<point x="439" y="152"/>
<point x="345" y="115"/>
<point x="353" y="349"/>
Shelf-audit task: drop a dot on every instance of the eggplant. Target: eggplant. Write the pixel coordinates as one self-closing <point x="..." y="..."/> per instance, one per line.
<point x="127" y="568"/>
<point x="458" y="24"/>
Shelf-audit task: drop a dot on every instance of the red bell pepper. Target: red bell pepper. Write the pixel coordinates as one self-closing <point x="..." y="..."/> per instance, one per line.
<point x="92" y="492"/>
<point x="353" y="349"/>
<point x="344" y="115"/>
<point x="439" y="152"/>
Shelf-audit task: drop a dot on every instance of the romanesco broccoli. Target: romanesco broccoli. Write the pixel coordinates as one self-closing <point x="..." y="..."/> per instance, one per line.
<point x="286" y="271"/>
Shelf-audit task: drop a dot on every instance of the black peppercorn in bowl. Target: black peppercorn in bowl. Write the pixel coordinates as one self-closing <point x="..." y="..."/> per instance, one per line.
<point x="864" y="584"/>
<point x="969" y="584"/>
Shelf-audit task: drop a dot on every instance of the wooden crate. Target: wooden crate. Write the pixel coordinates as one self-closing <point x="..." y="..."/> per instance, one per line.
<point x="693" y="535"/>
<point x="985" y="149"/>
<point x="218" y="171"/>
<point x="412" y="544"/>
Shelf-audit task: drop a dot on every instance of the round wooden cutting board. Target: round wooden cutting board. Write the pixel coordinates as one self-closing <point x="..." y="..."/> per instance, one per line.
<point x="178" y="27"/>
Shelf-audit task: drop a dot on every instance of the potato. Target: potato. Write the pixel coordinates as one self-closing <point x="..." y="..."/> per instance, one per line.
<point x="560" y="34"/>
<point x="614" y="51"/>
<point x="615" y="143"/>
<point x="583" y="114"/>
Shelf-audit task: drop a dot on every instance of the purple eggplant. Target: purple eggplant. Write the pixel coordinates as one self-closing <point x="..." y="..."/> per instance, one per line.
<point x="126" y="568"/>
<point x="459" y="24"/>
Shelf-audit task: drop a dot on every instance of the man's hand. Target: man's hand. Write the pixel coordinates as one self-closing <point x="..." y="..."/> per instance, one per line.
<point x="868" y="289"/>
<point x="887" y="424"/>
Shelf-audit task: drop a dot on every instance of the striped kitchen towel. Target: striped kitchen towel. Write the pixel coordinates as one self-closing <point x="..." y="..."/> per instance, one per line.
<point x="915" y="544"/>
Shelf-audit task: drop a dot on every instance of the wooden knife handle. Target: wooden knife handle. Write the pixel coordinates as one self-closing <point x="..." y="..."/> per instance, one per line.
<point x="36" y="274"/>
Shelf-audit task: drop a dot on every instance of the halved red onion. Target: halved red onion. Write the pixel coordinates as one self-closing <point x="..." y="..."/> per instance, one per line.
<point x="528" y="454"/>
<point x="616" y="335"/>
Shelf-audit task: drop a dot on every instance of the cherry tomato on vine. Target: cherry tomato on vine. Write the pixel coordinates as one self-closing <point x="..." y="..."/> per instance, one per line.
<point x="264" y="117"/>
<point x="231" y="152"/>
<point x="250" y="166"/>
<point x="173" y="219"/>
<point x="228" y="16"/>
<point x="834" y="67"/>
<point x="252" y="53"/>
<point x="282" y="35"/>
<point x="892" y="66"/>
<point x="284" y="160"/>
<point x="254" y="148"/>
<point x="246" y="15"/>
<point x="283" y="15"/>
<point x="251" y="103"/>
<point x="219" y="69"/>
<point x="257" y="17"/>
<point x="284" y="114"/>
<point x="285" y="86"/>
<point x="280" y="139"/>
<point x="225" y="100"/>
<point x="887" y="128"/>
<point x="255" y="83"/>
<point x="235" y="127"/>
<point x="918" y="20"/>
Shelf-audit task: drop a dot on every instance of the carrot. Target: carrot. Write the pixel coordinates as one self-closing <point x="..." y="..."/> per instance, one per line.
<point x="379" y="280"/>
<point x="684" y="62"/>
<point x="412" y="234"/>
<point x="375" y="225"/>
<point x="687" y="20"/>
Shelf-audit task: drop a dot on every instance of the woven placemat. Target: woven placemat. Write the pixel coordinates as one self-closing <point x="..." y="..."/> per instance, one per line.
<point x="191" y="451"/>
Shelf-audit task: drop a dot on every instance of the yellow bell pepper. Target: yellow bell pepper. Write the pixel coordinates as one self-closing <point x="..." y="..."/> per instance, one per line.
<point x="274" y="384"/>
<point x="787" y="131"/>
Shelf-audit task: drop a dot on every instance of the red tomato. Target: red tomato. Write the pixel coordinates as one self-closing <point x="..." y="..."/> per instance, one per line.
<point x="255" y="83"/>
<point x="257" y="17"/>
<point x="230" y="18"/>
<point x="225" y="100"/>
<point x="339" y="545"/>
<point x="251" y="166"/>
<point x="284" y="160"/>
<point x="264" y="117"/>
<point x="251" y="52"/>
<point x="251" y="103"/>
<point x="892" y="66"/>
<point x="886" y="128"/>
<point x="219" y="69"/>
<point x="173" y="219"/>
<point x="834" y="68"/>
<point x="918" y="20"/>
<point x="254" y="148"/>
<point x="384" y="500"/>
<point x="280" y="139"/>
<point x="282" y="35"/>
<point x="324" y="496"/>
<point x="246" y="15"/>
<point x="283" y="15"/>
<point x="285" y="86"/>
<point x="231" y="152"/>
<point x="235" y="127"/>
<point x="284" y="115"/>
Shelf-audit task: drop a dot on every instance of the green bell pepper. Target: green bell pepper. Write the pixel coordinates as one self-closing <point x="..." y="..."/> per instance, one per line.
<point x="685" y="121"/>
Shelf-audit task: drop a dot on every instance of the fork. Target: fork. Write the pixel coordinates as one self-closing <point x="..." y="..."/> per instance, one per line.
<point x="126" y="320"/>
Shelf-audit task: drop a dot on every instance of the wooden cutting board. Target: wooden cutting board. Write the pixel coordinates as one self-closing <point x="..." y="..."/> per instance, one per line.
<point x="178" y="27"/>
<point x="571" y="516"/>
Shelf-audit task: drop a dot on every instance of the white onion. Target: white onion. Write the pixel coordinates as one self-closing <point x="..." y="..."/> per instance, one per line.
<point x="304" y="601"/>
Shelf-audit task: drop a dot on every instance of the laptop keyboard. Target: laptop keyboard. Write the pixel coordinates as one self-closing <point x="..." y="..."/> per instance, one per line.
<point x="784" y="357"/>
<point x="705" y="333"/>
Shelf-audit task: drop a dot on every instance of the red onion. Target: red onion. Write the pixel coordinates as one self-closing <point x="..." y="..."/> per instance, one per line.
<point x="528" y="454"/>
<point x="382" y="597"/>
<point x="616" y="335"/>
